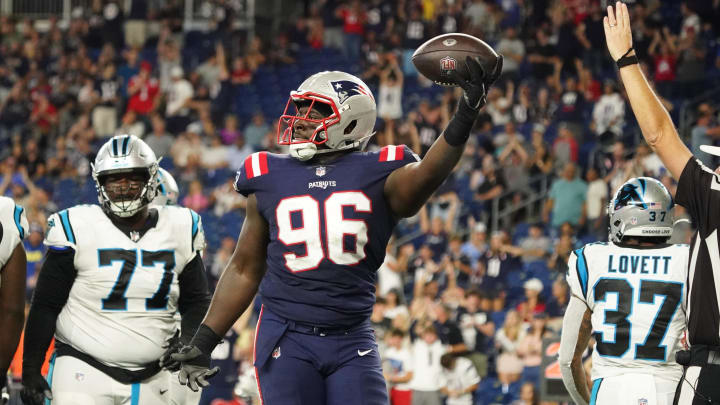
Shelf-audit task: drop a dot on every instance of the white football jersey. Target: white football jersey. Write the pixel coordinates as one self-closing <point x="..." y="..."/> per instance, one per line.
<point x="121" y="305"/>
<point x="13" y="227"/>
<point x="637" y="299"/>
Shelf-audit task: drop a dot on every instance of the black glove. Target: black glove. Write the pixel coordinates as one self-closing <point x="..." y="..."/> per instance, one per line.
<point x="476" y="86"/>
<point x="35" y="389"/>
<point x="195" y="368"/>
<point x="173" y="346"/>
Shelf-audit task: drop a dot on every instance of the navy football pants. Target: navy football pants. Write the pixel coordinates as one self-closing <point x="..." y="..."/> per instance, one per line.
<point x="296" y="368"/>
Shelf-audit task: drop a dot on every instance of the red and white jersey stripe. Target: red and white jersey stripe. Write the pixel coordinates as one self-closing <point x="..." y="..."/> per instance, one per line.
<point x="391" y="153"/>
<point x="256" y="165"/>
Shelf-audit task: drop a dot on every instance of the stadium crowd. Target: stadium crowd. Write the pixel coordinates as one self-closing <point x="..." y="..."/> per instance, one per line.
<point x="556" y="125"/>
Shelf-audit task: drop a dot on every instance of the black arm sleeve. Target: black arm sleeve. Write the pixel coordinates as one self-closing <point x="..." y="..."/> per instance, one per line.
<point x="194" y="298"/>
<point x="699" y="192"/>
<point x="51" y="293"/>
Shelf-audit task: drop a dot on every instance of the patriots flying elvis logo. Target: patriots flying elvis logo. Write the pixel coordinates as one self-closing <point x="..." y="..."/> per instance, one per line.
<point x="346" y="89"/>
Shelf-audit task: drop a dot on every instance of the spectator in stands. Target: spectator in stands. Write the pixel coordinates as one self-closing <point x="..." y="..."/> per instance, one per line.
<point x="430" y="122"/>
<point x="390" y="92"/>
<point x="528" y="394"/>
<point x="509" y="365"/>
<point x="539" y="161"/>
<point x="609" y="112"/>
<point x="565" y="147"/>
<point x="558" y="302"/>
<point x="533" y="303"/>
<point x="691" y="61"/>
<point x="332" y="24"/>
<point x="221" y="257"/>
<point x="664" y="59"/>
<point x="704" y="132"/>
<point x="214" y="154"/>
<point x="169" y="57"/>
<point x="405" y="133"/>
<point x="209" y="71"/>
<point x="559" y="258"/>
<point x="530" y="347"/>
<point x="623" y="168"/>
<point x="651" y="164"/>
<point x="499" y="105"/>
<point x="426" y="353"/>
<point x="44" y="115"/>
<point x="225" y="199"/>
<point x="596" y="200"/>
<point x="130" y="125"/>
<point x="523" y="104"/>
<point x="477" y="245"/>
<point x="566" y="199"/>
<point x="107" y="93"/>
<point x="534" y="247"/>
<point x="159" y="140"/>
<point x="449" y="18"/>
<point x="459" y="379"/>
<point x="255" y="131"/>
<point x="542" y="56"/>
<point x="513" y="51"/>
<point x="572" y="102"/>
<point x="415" y="33"/>
<point x="196" y="199"/>
<point x="493" y="183"/>
<point x="14" y="114"/>
<point x="398" y="367"/>
<point x="179" y="96"/>
<point x="544" y="108"/>
<point x="448" y="330"/>
<point x="354" y="18"/>
<point x="510" y="135"/>
<point x="143" y="90"/>
<point x="513" y="160"/>
<point x="240" y="72"/>
<point x="496" y="264"/>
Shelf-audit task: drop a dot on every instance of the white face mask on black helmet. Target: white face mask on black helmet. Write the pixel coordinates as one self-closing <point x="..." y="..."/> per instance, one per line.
<point x="642" y="207"/>
<point x="125" y="154"/>
<point x="348" y="124"/>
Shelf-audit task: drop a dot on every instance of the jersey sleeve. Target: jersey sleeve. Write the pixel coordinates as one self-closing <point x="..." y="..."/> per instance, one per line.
<point x="198" y="234"/>
<point x="577" y="274"/>
<point x="13" y="229"/>
<point x="699" y="192"/>
<point x="60" y="234"/>
<point x="396" y="156"/>
<point x="248" y="176"/>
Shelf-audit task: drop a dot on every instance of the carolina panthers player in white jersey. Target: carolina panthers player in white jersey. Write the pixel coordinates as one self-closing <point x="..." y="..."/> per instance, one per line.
<point x="168" y="193"/>
<point x="113" y="279"/>
<point x="629" y="295"/>
<point x="13" y="227"/>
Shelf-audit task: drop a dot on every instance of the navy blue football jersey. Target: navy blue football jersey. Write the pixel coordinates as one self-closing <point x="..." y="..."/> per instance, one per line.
<point x="329" y="227"/>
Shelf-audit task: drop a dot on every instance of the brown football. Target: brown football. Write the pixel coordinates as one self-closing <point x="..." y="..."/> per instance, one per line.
<point x="444" y="53"/>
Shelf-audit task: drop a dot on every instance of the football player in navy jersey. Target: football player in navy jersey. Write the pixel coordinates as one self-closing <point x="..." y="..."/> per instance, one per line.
<point x="314" y="235"/>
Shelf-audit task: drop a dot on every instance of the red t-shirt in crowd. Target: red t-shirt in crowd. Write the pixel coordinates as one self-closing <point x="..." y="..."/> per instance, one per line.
<point x="353" y="22"/>
<point x="665" y="68"/>
<point x="142" y="101"/>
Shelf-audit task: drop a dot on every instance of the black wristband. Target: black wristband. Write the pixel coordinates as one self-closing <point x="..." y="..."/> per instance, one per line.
<point x="205" y="339"/>
<point x="626" y="60"/>
<point x="458" y="129"/>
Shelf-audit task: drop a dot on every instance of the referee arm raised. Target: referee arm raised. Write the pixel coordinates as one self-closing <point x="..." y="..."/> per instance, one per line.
<point x="699" y="192"/>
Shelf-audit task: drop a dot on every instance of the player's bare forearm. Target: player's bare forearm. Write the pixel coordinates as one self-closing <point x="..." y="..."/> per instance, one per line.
<point x="655" y="122"/>
<point x="12" y="306"/>
<point x="409" y="187"/>
<point x="240" y="279"/>
<point x="576" y="332"/>
<point x="578" y="371"/>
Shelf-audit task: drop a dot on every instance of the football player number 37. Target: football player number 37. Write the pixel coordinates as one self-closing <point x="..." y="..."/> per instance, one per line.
<point x="307" y="229"/>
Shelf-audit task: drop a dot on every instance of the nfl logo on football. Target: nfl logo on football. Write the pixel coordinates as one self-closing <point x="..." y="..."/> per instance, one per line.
<point x="320" y="171"/>
<point x="447" y="63"/>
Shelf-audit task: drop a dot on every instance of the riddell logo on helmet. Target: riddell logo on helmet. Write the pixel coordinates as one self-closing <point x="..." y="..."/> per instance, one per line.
<point x="447" y="63"/>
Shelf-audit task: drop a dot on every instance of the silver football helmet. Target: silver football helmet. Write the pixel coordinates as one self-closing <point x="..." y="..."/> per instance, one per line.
<point x="347" y="124"/>
<point x="125" y="154"/>
<point x="642" y="207"/>
<point x="168" y="191"/>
